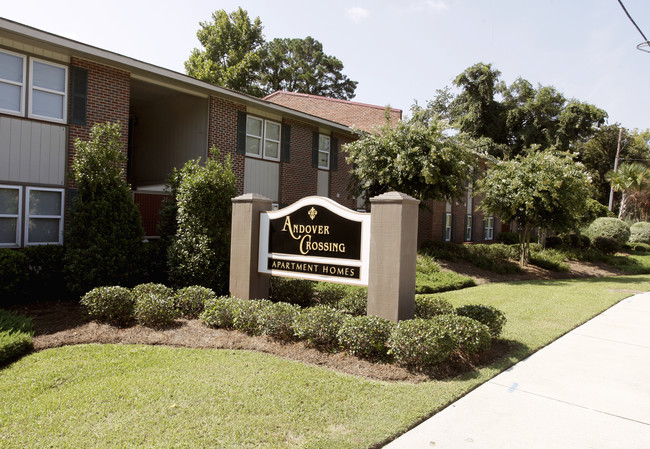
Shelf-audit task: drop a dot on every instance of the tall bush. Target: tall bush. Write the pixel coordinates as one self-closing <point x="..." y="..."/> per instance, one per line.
<point x="640" y="232"/>
<point x="609" y="228"/>
<point x="200" y="249"/>
<point x="104" y="234"/>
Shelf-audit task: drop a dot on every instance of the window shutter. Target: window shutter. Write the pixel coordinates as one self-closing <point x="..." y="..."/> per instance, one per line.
<point x="241" y="132"/>
<point x="78" y="95"/>
<point x="314" y="150"/>
<point x="334" y="153"/>
<point x="473" y="226"/>
<point x="444" y="227"/>
<point x="286" y="143"/>
<point x="465" y="236"/>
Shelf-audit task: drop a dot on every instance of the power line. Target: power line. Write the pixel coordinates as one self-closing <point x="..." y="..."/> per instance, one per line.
<point x="646" y="43"/>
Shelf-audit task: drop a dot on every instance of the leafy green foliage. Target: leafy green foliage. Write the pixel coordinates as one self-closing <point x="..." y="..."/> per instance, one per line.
<point x="329" y="293"/>
<point x="200" y="251"/>
<point x="542" y="189"/>
<point x="470" y="336"/>
<point x="420" y="343"/>
<point x="417" y="156"/>
<point x="293" y="291"/>
<point x="427" y="307"/>
<point x="104" y="233"/>
<point x="640" y="232"/>
<point x="154" y="305"/>
<point x="493" y="257"/>
<point x="493" y="318"/>
<point x="606" y="245"/>
<point x="549" y="259"/>
<point x="14" y="275"/>
<point x="611" y="228"/>
<point x="319" y="326"/>
<point x="632" y="180"/>
<point x="246" y="315"/>
<point x="366" y="336"/>
<point x="276" y="320"/>
<point x="190" y="301"/>
<point x="355" y="301"/>
<point x="220" y="312"/>
<point x="113" y="305"/>
<point x="16" y="333"/>
<point x="300" y="65"/>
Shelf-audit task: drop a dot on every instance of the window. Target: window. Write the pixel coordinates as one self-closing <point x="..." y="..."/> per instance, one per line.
<point x="48" y="87"/>
<point x="448" y="227"/>
<point x="468" y="228"/>
<point x="488" y="232"/>
<point x="44" y="222"/>
<point x="323" y="151"/>
<point x="262" y="138"/>
<point x="12" y="82"/>
<point x="10" y="210"/>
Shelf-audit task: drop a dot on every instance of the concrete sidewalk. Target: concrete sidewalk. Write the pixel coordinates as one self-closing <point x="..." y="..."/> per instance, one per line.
<point x="589" y="389"/>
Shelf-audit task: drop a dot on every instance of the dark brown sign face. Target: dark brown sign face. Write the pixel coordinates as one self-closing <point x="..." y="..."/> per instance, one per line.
<point x="314" y="230"/>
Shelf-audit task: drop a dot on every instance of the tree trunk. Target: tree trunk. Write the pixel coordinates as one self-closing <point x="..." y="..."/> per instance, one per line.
<point x="524" y="245"/>
<point x="624" y="204"/>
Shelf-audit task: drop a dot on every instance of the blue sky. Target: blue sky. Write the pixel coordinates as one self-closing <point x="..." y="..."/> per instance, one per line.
<point x="399" y="51"/>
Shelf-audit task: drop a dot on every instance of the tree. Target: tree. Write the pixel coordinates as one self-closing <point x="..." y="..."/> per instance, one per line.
<point x="230" y="56"/>
<point x="631" y="180"/>
<point x="418" y="156"/>
<point x="540" y="189"/>
<point x="103" y="239"/>
<point x="300" y="65"/>
<point x="200" y="250"/>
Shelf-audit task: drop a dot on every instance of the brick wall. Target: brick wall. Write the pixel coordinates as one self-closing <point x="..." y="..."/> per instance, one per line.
<point x="298" y="178"/>
<point x="108" y="101"/>
<point x="222" y="134"/>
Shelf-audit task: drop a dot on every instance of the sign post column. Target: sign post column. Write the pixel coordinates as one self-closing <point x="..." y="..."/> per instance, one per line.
<point x="393" y="254"/>
<point x="245" y="281"/>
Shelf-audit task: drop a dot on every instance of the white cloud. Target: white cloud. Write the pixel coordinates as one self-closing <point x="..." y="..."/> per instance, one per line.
<point x="430" y="5"/>
<point x="357" y="14"/>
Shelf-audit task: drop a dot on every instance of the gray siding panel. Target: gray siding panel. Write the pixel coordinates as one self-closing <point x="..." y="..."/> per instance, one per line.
<point x="262" y="177"/>
<point x="32" y="152"/>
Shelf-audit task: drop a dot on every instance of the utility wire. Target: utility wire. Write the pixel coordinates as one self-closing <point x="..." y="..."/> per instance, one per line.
<point x="632" y="20"/>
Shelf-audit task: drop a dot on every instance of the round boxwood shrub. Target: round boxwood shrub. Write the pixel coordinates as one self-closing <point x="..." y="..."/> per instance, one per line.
<point x="606" y="245"/>
<point x="355" y="301"/>
<point x="427" y="307"/>
<point x="246" y="313"/>
<point x="154" y="305"/>
<point x="471" y="337"/>
<point x="319" y="326"/>
<point x="276" y="320"/>
<point x="611" y="228"/>
<point x="492" y="317"/>
<point x="640" y="232"/>
<point x="366" y="336"/>
<point x="113" y="305"/>
<point x="293" y="291"/>
<point x="420" y="343"/>
<point x="219" y="312"/>
<point x="190" y="301"/>
<point x="328" y="293"/>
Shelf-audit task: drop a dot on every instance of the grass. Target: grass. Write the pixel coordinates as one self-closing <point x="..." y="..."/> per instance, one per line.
<point x="15" y="336"/>
<point x="141" y="396"/>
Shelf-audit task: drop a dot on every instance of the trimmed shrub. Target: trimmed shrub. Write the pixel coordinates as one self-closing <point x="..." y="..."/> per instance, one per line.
<point x="366" y="336"/>
<point x="16" y="333"/>
<point x="113" y="305"/>
<point x="293" y="291"/>
<point x="606" y="245"/>
<point x="611" y="228"/>
<point x="154" y="305"/>
<point x="355" y="301"/>
<point x="220" y="312"/>
<point x="199" y="252"/>
<point x="640" y="232"/>
<point x="319" y="326"/>
<point x="576" y="240"/>
<point x="492" y="317"/>
<point x="643" y="247"/>
<point x="427" y="307"/>
<point x="549" y="259"/>
<point x="276" y="320"/>
<point x="553" y="241"/>
<point x="328" y="293"/>
<point x="420" y="343"/>
<point x="46" y="272"/>
<point x="190" y="301"/>
<point x="508" y="238"/>
<point x="14" y="276"/>
<point x="470" y="336"/>
<point x="154" y="289"/>
<point x="246" y="315"/>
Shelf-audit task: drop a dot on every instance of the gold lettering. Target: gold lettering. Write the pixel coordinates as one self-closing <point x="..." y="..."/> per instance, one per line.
<point x="307" y="247"/>
<point x="287" y="224"/>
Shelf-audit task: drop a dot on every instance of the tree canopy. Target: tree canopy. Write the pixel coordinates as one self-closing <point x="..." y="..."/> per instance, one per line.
<point x="543" y="189"/>
<point x="235" y="55"/>
<point x="418" y="156"/>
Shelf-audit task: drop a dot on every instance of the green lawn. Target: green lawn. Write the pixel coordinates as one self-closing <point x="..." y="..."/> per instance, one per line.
<point x="141" y="396"/>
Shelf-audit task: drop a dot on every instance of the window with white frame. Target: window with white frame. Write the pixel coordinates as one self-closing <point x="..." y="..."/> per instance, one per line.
<point x="12" y="83"/>
<point x="468" y="228"/>
<point x="323" y="151"/>
<point x="10" y="210"/>
<point x="488" y="233"/>
<point x="262" y="138"/>
<point x="48" y="88"/>
<point x="448" y="225"/>
<point x="44" y="221"/>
